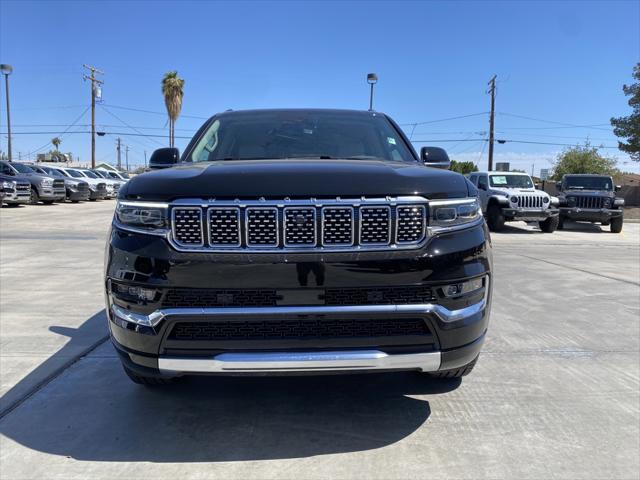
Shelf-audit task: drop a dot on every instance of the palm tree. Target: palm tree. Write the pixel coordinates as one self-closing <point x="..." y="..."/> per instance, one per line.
<point x="56" y="142"/>
<point x="172" y="90"/>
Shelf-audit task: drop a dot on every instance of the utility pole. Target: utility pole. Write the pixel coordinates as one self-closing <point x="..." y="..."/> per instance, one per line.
<point x="492" y="91"/>
<point x="127" y="156"/>
<point x="94" y="83"/>
<point x="145" y="159"/>
<point x="118" y="149"/>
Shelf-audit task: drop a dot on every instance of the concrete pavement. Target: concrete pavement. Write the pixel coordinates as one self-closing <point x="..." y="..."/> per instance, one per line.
<point x="556" y="393"/>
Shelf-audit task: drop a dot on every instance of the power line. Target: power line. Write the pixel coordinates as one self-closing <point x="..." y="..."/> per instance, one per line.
<point x="127" y="125"/>
<point x="443" y="119"/>
<point x="164" y="114"/>
<point x="549" y="121"/>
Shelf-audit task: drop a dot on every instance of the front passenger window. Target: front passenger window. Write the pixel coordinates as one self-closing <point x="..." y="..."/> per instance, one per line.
<point x="482" y="183"/>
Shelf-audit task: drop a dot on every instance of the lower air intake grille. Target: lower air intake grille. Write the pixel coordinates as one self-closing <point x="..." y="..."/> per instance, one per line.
<point x="297" y="329"/>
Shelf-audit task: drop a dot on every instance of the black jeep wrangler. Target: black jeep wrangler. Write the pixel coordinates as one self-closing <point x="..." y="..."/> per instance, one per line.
<point x="287" y="241"/>
<point x="590" y="198"/>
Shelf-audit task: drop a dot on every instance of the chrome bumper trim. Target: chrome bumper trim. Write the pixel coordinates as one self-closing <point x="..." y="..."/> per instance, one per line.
<point x="442" y="312"/>
<point x="301" y="362"/>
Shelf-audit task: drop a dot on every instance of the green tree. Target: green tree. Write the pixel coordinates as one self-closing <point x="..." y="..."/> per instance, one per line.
<point x="463" y="167"/>
<point x="172" y="91"/>
<point x="583" y="159"/>
<point x="56" y="142"/>
<point x="629" y="127"/>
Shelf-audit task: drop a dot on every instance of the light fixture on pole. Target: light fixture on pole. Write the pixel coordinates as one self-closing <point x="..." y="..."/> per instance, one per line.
<point x="372" y="79"/>
<point x="6" y="71"/>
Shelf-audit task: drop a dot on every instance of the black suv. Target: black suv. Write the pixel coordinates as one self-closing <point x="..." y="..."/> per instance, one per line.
<point x="590" y="198"/>
<point x="297" y="241"/>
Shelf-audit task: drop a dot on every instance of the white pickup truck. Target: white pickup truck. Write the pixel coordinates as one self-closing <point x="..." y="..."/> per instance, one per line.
<point x="512" y="196"/>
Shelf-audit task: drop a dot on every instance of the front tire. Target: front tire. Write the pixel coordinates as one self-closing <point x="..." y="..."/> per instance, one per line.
<point x="48" y="202"/>
<point x="35" y="198"/>
<point x="456" y="372"/>
<point x="560" y="222"/>
<point x="147" y="381"/>
<point x="550" y="224"/>
<point x="495" y="218"/>
<point x="616" y="224"/>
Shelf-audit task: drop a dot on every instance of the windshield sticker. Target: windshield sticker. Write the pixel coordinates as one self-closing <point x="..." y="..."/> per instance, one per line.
<point x="501" y="180"/>
<point x="391" y="140"/>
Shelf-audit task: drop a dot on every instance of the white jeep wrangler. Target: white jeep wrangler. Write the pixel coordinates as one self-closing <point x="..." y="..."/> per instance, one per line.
<point x="512" y="196"/>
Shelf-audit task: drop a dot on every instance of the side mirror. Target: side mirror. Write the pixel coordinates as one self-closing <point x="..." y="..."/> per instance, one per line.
<point x="164" y="158"/>
<point x="618" y="188"/>
<point x="435" y="157"/>
<point x="559" y="186"/>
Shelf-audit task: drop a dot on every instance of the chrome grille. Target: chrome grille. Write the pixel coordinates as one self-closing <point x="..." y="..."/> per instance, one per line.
<point x="375" y="225"/>
<point x="187" y="226"/>
<point x="300" y="226"/>
<point x="411" y="224"/>
<point x="337" y="226"/>
<point x="23" y="187"/>
<point x="101" y="186"/>
<point x="530" y="201"/>
<point x="224" y="227"/>
<point x="262" y="227"/>
<point x="274" y="225"/>
<point x="57" y="184"/>
<point x="82" y="187"/>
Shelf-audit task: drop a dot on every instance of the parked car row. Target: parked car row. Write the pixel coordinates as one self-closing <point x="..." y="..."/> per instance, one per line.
<point x="34" y="183"/>
<point x="512" y="196"/>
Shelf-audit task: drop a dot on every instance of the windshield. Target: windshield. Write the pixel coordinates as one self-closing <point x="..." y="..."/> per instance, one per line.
<point x="22" y="168"/>
<point x="52" y="172"/>
<point x="99" y="173"/>
<point x="511" y="181"/>
<point x="301" y="134"/>
<point x="588" y="183"/>
<point x="75" y="173"/>
<point x="90" y="174"/>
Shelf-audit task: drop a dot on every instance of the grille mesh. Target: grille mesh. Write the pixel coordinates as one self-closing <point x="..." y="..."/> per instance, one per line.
<point x="267" y="297"/>
<point x="298" y="329"/>
<point x="300" y="226"/>
<point x="375" y="225"/>
<point x="224" y="227"/>
<point x="411" y="221"/>
<point x="187" y="224"/>
<point x="337" y="226"/>
<point x="262" y="227"/>
<point x="308" y="225"/>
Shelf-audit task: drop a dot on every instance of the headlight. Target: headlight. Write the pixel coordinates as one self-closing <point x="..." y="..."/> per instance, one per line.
<point x="452" y="213"/>
<point x="545" y="200"/>
<point x="146" y="216"/>
<point x="514" y="199"/>
<point x="9" y="185"/>
<point x="47" y="182"/>
<point x="606" y="203"/>
<point x="571" y="201"/>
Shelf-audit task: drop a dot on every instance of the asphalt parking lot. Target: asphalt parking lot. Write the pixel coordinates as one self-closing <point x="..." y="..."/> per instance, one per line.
<point x="556" y="393"/>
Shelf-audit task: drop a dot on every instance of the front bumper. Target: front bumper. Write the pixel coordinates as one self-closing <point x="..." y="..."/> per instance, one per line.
<point x="17" y="196"/>
<point x="529" y="215"/>
<point x="590" y="214"/>
<point x="97" y="194"/>
<point x="52" y="194"/>
<point x="142" y="332"/>
<point x="78" y="195"/>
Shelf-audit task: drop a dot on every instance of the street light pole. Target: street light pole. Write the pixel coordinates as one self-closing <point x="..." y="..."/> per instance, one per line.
<point x="372" y="78"/>
<point x="6" y="71"/>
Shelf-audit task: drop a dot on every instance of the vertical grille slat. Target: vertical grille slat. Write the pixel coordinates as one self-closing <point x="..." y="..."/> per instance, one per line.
<point x="530" y="202"/>
<point x="338" y="226"/>
<point x="224" y="227"/>
<point x="375" y="225"/>
<point x="187" y="226"/>
<point x="300" y="227"/>
<point x="262" y="227"/>
<point x="410" y="224"/>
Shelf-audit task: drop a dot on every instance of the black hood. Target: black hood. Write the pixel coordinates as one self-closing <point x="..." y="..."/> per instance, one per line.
<point x="588" y="193"/>
<point x="296" y="179"/>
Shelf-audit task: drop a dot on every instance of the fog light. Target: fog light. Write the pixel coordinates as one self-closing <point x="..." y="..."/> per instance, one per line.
<point x="457" y="289"/>
<point x="135" y="292"/>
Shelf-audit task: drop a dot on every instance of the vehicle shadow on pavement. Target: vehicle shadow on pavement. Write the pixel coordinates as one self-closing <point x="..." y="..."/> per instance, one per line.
<point x="93" y="412"/>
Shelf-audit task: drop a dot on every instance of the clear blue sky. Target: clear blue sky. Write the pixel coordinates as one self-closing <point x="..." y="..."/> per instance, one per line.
<point x="556" y="61"/>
